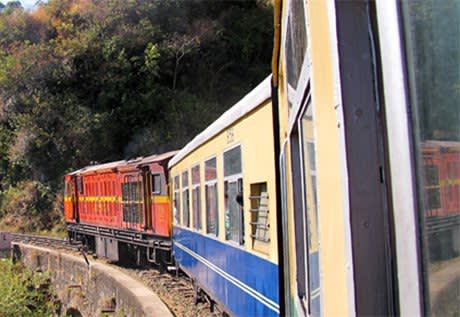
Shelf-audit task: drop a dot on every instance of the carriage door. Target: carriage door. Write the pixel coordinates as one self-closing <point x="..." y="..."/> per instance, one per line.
<point x="367" y="164"/>
<point x="303" y="165"/>
<point x="70" y="198"/>
<point x="148" y="206"/>
<point x="75" y="190"/>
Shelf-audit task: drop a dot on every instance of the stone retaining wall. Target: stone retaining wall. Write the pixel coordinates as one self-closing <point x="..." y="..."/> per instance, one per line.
<point x="91" y="290"/>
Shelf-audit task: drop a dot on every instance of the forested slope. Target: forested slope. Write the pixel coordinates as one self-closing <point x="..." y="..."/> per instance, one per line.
<point x="92" y="80"/>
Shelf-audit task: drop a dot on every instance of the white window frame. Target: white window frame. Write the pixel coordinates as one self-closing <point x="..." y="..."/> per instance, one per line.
<point x="178" y="220"/>
<point x="193" y="187"/>
<point x="185" y="189"/>
<point x="230" y="179"/>
<point x="153" y="183"/>
<point x="212" y="182"/>
<point x="401" y="166"/>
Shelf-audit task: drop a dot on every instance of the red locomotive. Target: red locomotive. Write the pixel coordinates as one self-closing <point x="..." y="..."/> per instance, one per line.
<point x="121" y="209"/>
<point x="442" y="169"/>
<point x="441" y="160"/>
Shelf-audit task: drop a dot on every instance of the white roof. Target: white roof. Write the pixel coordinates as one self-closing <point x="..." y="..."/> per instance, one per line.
<point x="249" y="102"/>
<point x="157" y="157"/>
<point x="92" y="168"/>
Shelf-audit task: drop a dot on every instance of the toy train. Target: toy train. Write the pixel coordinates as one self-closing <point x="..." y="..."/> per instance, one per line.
<point x="331" y="189"/>
<point x="121" y="209"/>
<point x="121" y="204"/>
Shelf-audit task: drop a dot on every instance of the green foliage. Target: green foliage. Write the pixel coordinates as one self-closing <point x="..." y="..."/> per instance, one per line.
<point x="87" y="80"/>
<point x="24" y="293"/>
<point x="28" y="207"/>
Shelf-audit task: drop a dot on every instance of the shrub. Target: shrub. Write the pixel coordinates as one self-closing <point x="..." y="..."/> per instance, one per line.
<point x="28" y="207"/>
<point x="24" y="293"/>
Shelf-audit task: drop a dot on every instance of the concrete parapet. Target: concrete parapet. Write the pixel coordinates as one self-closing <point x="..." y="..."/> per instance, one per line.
<point x="91" y="290"/>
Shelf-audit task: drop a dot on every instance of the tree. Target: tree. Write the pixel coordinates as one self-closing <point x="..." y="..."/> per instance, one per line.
<point x="12" y="6"/>
<point x="87" y="80"/>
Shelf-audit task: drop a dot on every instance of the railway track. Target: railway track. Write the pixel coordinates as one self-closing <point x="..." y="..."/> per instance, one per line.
<point x="55" y="243"/>
<point x="175" y="290"/>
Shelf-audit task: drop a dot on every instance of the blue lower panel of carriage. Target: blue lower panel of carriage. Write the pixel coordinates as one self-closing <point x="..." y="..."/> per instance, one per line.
<point x="246" y="284"/>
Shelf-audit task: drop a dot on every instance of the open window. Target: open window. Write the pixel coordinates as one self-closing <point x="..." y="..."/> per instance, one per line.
<point x="260" y="217"/>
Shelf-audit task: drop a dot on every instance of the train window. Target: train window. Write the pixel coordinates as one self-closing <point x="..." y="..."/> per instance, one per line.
<point x="156" y="184"/>
<point x="260" y="221"/>
<point x="233" y="196"/>
<point x="295" y="46"/>
<point x="310" y="203"/>
<point x="80" y="184"/>
<point x="296" y="41"/>
<point x="185" y="200"/>
<point x="306" y="212"/>
<point x="432" y="33"/>
<point x="177" y="204"/>
<point x="196" y="197"/>
<point x="212" y="220"/>
<point x="210" y="173"/>
<point x="232" y="161"/>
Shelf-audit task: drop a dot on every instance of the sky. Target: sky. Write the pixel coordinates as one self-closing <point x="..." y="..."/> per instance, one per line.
<point x="27" y="4"/>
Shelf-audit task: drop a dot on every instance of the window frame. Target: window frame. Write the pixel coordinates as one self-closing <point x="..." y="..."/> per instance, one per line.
<point x="197" y="225"/>
<point x="207" y="184"/>
<point x="400" y="154"/>
<point x="232" y="179"/>
<point x="177" y="214"/>
<point x="160" y="191"/>
<point x="295" y="96"/>
<point x="185" y="203"/>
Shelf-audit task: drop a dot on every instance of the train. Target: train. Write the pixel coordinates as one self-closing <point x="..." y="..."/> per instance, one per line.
<point x="121" y="209"/>
<point x="331" y="189"/>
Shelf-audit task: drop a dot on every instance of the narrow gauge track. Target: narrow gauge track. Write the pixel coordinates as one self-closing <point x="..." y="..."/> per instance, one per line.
<point x="175" y="290"/>
<point x="55" y="243"/>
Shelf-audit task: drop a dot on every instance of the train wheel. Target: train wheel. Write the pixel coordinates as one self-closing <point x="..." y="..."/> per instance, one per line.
<point x="197" y="293"/>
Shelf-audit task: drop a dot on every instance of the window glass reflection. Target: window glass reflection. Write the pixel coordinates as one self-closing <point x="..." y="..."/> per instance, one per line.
<point x="433" y="58"/>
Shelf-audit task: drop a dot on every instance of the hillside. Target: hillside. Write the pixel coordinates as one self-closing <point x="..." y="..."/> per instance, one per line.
<point x="90" y="80"/>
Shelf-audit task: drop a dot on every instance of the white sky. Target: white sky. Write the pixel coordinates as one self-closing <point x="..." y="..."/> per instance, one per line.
<point x="27" y="4"/>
